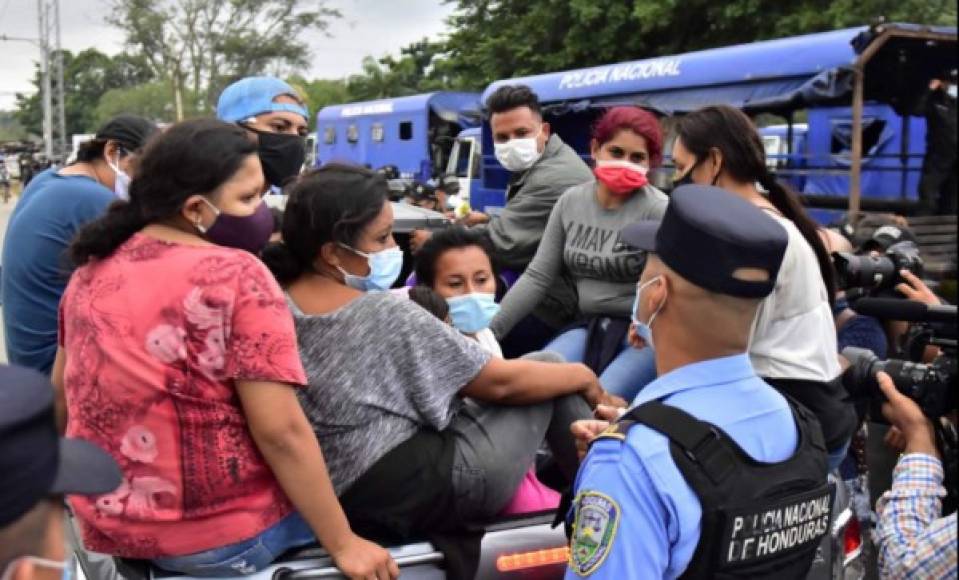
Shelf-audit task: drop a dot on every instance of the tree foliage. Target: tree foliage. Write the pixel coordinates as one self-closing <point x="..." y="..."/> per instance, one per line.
<point x="494" y="39"/>
<point x="320" y="93"/>
<point x="150" y="100"/>
<point x="183" y="52"/>
<point x="86" y="77"/>
<point x="200" y="46"/>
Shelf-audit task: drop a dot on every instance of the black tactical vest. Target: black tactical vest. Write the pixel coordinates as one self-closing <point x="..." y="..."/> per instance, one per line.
<point x="760" y="520"/>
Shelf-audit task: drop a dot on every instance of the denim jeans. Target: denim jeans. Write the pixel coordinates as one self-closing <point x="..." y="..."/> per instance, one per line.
<point x="629" y="372"/>
<point x="246" y="557"/>
<point x="836" y="456"/>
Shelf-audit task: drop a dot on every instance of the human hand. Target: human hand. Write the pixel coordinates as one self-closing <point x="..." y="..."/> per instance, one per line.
<point x="418" y="238"/>
<point x="906" y="416"/>
<point x="584" y="431"/>
<point x="590" y="389"/>
<point x="474" y="218"/>
<point x="634" y="340"/>
<point x="360" y="559"/>
<point x="608" y="412"/>
<point x="611" y="401"/>
<point x="915" y="289"/>
<point x="895" y="440"/>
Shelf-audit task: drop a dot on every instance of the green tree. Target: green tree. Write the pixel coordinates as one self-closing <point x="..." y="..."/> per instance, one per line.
<point x="10" y="128"/>
<point x="151" y="100"/>
<point x="320" y="93"/>
<point x="494" y="39"/>
<point x="86" y="76"/>
<point x="199" y="46"/>
<point x="417" y="69"/>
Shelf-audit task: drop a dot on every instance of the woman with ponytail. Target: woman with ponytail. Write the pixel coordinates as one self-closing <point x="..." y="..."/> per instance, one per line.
<point x="178" y="356"/>
<point x="387" y="380"/>
<point x="793" y="346"/>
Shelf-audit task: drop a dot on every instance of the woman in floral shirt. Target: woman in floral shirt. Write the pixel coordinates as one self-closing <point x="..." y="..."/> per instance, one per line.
<point x="178" y="356"/>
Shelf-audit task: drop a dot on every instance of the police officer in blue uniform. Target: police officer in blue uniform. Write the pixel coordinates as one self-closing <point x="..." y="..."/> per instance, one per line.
<point x="712" y="473"/>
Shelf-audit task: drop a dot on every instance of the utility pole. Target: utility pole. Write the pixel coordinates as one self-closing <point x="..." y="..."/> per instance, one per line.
<point x="45" y="84"/>
<point x="51" y="65"/>
<point x="60" y="94"/>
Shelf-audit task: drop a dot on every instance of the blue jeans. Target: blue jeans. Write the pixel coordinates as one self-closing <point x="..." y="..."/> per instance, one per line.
<point x="629" y="372"/>
<point x="244" y="557"/>
<point x="836" y="456"/>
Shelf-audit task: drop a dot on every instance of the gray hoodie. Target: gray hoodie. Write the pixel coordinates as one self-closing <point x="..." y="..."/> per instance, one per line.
<point x="517" y="230"/>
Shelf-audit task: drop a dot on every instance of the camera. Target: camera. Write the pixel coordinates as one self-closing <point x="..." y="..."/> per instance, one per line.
<point x="877" y="274"/>
<point x="930" y="386"/>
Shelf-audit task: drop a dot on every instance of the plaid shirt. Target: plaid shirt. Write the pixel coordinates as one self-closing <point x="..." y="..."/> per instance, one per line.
<point x="914" y="541"/>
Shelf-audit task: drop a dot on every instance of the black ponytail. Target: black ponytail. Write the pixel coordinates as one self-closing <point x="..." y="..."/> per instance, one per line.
<point x="744" y="159"/>
<point x="190" y="158"/>
<point x="98" y="239"/>
<point x="331" y="204"/>
<point x="787" y="202"/>
<point x="281" y="261"/>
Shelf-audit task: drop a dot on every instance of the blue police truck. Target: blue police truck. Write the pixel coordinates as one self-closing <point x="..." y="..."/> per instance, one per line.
<point x="807" y="84"/>
<point x="415" y="133"/>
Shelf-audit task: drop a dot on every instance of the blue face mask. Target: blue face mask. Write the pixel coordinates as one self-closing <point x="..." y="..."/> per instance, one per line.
<point x="385" y="267"/>
<point x="644" y="329"/>
<point x="472" y="313"/>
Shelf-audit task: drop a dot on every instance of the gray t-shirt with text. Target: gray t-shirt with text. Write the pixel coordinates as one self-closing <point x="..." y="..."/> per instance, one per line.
<point x="583" y="240"/>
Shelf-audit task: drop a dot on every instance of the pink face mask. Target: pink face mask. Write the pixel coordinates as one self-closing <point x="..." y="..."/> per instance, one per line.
<point x="619" y="176"/>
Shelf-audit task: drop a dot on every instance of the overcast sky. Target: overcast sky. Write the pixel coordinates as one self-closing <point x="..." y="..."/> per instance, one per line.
<point x="374" y="27"/>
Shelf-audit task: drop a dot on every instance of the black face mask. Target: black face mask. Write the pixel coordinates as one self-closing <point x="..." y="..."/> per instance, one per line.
<point x="687" y="178"/>
<point x="281" y="155"/>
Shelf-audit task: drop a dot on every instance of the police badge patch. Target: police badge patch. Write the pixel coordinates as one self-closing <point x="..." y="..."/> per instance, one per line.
<point x="597" y="517"/>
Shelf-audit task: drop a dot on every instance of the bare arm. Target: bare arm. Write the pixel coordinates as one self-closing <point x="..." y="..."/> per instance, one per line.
<point x="520" y="382"/>
<point x="284" y="437"/>
<point x="59" y="397"/>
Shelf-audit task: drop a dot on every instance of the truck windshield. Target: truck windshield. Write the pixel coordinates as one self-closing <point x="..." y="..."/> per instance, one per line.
<point x="461" y="159"/>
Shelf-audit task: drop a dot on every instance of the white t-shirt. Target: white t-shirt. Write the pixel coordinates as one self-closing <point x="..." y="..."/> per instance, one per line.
<point x="487" y="340"/>
<point x="794" y="336"/>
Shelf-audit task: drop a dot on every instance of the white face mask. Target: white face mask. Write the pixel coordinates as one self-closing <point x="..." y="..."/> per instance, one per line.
<point x="121" y="184"/>
<point x="518" y="154"/>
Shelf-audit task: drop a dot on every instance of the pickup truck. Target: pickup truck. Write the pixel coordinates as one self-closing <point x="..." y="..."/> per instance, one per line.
<point x="526" y="546"/>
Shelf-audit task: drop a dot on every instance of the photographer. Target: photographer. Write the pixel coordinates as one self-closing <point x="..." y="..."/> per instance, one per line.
<point x="887" y="265"/>
<point x="852" y="328"/>
<point x="913" y="540"/>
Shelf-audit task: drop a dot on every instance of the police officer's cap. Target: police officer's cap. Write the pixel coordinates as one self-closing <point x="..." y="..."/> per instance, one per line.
<point x="35" y="462"/>
<point x="707" y="234"/>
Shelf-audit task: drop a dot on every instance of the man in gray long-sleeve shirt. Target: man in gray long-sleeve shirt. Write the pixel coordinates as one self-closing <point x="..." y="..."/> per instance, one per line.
<point x="542" y="167"/>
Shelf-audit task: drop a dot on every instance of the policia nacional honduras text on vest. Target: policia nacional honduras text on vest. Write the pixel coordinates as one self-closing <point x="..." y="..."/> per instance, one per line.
<point x="760" y="520"/>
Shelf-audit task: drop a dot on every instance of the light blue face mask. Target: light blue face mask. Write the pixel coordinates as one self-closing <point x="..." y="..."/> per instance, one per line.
<point x="472" y="313"/>
<point x="644" y="329"/>
<point x="385" y="267"/>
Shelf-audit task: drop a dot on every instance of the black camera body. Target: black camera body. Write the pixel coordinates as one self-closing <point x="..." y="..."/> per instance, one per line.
<point x="878" y="275"/>
<point x="929" y="385"/>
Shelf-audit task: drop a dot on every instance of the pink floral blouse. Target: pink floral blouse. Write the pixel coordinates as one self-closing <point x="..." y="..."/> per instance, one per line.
<point x="155" y="337"/>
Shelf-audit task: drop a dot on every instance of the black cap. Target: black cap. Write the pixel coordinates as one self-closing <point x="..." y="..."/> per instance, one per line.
<point x="35" y="462"/>
<point x="888" y="235"/>
<point x="131" y="131"/>
<point x="423" y="190"/>
<point x="707" y="234"/>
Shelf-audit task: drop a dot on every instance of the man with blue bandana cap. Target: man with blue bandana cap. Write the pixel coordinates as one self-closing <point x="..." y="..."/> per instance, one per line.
<point x="712" y="473"/>
<point x="274" y="111"/>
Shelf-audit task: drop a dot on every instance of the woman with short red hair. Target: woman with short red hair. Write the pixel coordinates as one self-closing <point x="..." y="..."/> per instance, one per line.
<point x="582" y="241"/>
